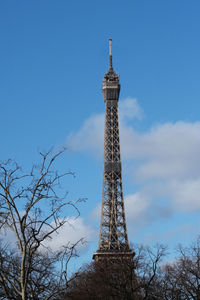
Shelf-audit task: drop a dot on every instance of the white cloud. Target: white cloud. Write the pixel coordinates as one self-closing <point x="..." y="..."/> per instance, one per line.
<point x="186" y="194"/>
<point x="147" y="206"/>
<point x="96" y="213"/>
<point x="129" y="109"/>
<point x="182" y="231"/>
<point x="136" y="206"/>
<point x="71" y="232"/>
<point x="164" y="160"/>
<point x="8" y="237"/>
<point x="89" y="137"/>
<point x="164" y="151"/>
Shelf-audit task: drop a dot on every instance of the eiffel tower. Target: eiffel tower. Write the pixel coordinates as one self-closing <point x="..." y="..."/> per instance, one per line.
<point x="113" y="238"/>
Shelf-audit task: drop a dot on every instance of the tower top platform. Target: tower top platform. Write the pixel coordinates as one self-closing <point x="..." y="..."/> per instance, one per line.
<point x="110" y="76"/>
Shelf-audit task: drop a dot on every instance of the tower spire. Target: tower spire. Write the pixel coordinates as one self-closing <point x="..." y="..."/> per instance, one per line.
<point x="110" y="55"/>
<point x="110" y="46"/>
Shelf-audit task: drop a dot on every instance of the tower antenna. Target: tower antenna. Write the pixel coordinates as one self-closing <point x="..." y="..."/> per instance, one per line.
<point x="110" y="54"/>
<point x="110" y="46"/>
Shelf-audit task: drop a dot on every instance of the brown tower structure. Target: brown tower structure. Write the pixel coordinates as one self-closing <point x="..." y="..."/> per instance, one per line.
<point x="113" y="238"/>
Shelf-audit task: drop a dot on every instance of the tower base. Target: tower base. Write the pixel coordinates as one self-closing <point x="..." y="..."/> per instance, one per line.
<point x="116" y="270"/>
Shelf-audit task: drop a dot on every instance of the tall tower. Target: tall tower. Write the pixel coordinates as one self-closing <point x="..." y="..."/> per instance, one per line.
<point x="113" y="238"/>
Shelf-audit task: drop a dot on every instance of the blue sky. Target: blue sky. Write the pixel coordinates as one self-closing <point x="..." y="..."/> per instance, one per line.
<point x="53" y="56"/>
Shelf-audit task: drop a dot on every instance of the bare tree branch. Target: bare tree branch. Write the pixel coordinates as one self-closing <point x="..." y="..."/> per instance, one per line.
<point x="33" y="208"/>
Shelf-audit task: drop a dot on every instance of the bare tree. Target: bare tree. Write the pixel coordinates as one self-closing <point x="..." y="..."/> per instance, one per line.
<point x="33" y="207"/>
<point x="121" y="278"/>
<point x="177" y="280"/>
<point x="148" y="262"/>
<point x="104" y="279"/>
<point x="181" y="279"/>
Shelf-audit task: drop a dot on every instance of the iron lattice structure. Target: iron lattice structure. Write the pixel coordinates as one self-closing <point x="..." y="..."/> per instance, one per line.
<point x="113" y="238"/>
